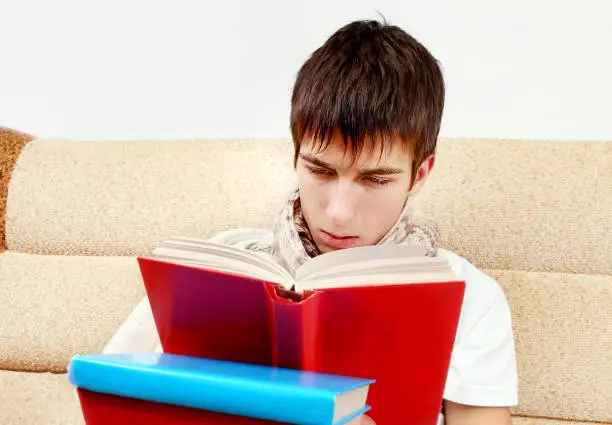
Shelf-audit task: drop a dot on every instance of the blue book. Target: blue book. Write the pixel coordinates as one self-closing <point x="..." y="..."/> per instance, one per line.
<point x="264" y="392"/>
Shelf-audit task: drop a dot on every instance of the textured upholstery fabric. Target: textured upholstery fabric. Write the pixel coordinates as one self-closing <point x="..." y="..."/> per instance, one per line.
<point x="11" y="144"/>
<point x="524" y="205"/>
<point x="533" y="205"/>
<point x="119" y="198"/>
<point x="53" y="307"/>
<point x="564" y="344"/>
<point x="521" y="420"/>
<point x="38" y="399"/>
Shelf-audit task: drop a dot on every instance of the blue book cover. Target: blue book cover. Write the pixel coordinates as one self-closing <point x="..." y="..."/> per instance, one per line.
<point x="265" y="392"/>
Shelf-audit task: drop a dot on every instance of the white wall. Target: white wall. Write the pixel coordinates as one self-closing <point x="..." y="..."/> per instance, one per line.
<point x="196" y="68"/>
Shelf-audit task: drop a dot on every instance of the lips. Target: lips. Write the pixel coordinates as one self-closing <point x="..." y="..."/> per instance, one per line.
<point x="338" y="241"/>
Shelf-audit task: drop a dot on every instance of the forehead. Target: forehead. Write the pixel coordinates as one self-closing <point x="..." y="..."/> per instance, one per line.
<point x="371" y="153"/>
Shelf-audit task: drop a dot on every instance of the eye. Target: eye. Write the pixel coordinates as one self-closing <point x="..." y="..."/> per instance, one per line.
<point x="377" y="180"/>
<point x="319" y="171"/>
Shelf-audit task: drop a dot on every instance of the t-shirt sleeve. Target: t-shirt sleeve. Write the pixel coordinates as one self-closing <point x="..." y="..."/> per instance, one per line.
<point x="483" y="364"/>
<point x="137" y="334"/>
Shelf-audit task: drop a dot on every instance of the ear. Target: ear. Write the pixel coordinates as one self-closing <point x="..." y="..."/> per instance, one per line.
<point x="422" y="174"/>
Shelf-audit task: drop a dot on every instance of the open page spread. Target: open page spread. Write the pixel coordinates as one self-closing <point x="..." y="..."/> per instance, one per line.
<point x="369" y="265"/>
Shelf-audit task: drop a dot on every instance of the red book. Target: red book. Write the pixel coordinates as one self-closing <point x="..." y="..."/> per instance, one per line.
<point x="387" y="313"/>
<point x="107" y="409"/>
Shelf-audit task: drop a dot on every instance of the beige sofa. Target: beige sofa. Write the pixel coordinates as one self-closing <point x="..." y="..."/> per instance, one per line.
<point x="73" y="214"/>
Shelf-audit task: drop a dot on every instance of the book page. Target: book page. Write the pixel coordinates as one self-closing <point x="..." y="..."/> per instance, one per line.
<point x="373" y="265"/>
<point x="367" y="279"/>
<point x="354" y="256"/>
<point x="223" y="258"/>
<point x="396" y="269"/>
<point x="246" y="271"/>
<point x="385" y="264"/>
<point x="368" y="265"/>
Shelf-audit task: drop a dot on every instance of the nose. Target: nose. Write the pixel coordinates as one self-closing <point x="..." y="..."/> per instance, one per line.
<point x="341" y="207"/>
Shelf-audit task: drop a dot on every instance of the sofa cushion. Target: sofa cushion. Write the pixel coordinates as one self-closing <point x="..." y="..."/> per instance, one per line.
<point x="38" y="398"/>
<point x="123" y="198"/>
<point x="522" y="420"/>
<point x="524" y="205"/>
<point x="564" y="346"/>
<point x="503" y="204"/>
<point x="53" y="307"/>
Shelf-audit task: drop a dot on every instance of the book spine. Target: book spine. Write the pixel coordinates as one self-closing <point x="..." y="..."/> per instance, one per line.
<point x="295" y="332"/>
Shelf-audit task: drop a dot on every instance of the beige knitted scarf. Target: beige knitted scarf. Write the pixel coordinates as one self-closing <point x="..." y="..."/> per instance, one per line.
<point x="294" y="245"/>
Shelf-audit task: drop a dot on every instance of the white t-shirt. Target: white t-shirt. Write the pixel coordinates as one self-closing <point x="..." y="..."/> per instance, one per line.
<point x="483" y="362"/>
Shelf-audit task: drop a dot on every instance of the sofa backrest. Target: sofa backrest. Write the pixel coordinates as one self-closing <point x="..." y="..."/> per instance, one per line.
<point x="535" y="215"/>
<point x="122" y="198"/>
<point x="520" y="205"/>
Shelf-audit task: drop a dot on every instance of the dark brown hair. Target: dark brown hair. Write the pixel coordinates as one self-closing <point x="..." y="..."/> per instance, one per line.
<point x="369" y="79"/>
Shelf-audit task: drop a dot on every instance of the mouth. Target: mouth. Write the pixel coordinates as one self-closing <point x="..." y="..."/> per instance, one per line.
<point x="338" y="241"/>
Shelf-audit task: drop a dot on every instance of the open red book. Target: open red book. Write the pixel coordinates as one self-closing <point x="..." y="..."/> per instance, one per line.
<point x="387" y="313"/>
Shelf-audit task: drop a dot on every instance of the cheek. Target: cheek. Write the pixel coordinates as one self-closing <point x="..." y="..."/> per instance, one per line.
<point x="384" y="205"/>
<point x="311" y="189"/>
<point x="384" y="208"/>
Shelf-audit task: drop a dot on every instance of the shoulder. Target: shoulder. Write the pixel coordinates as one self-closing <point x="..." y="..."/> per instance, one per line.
<point x="475" y="278"/>
<point x="485" y="313"/>
<point x="482" y="292"/>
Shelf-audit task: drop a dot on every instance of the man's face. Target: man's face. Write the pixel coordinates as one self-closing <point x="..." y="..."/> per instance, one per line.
<point x="349" y="202"/>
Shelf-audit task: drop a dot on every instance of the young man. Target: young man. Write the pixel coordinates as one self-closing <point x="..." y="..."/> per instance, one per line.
<point x="365" y="117"/>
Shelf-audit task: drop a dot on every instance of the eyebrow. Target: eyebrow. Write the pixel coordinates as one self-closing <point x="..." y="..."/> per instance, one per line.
<point x="380" y="171"/>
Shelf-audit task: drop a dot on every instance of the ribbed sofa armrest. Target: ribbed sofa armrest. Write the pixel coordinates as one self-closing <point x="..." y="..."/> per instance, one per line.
<point x="11" y="145"/>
